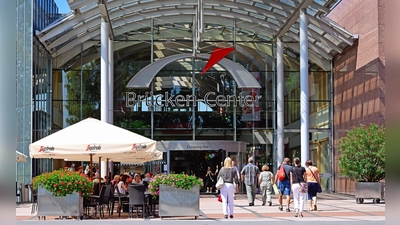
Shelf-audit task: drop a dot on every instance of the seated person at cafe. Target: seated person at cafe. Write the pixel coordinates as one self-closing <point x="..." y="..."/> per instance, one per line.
<point x="129" y="179"/>
<point x="137" y="179"/>
<point x="147" y="177"/>
<point x="87" y="171"/>
<point x="96" y="190"/>
<point x="123" y="185"/>
<point x="115" y="182"/>
<point x="80" y="169"/>
<point x="123" y="190"/>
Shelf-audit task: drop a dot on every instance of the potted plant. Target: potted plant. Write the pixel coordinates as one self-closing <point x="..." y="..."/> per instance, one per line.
<point x="362" y="159"/>
<point x="178" y="194"/>
<point x="61" y="192"/>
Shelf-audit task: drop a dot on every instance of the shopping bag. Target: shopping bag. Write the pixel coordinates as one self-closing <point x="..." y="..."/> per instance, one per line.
<point x="276" y="190"/>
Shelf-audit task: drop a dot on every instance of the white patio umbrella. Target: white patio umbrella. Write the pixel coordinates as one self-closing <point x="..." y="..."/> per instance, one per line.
<point x="96" y="138"/>
<point x="21" y="157"/>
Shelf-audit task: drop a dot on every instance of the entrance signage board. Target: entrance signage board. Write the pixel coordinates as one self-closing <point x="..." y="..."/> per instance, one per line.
<point x="197" y="147"/>
<point x="210" y="99"/>
<point x="184" y="145"/>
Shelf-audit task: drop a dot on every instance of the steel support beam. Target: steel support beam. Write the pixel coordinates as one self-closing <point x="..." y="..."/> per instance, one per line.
<point x="304" y="105"/>
<point x="106" y="17"/>
<point x="280" y="101"/>
<point x="292" y="18"/>
<point x="110" y="81"/>
<point x="104" y="72"/>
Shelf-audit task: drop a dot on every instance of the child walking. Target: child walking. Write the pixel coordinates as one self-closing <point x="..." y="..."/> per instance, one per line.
<point x="266" y="181"/>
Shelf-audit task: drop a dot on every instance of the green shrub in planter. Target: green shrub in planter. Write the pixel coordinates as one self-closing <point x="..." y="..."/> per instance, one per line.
<point x="362" y="154"/>
<point x="174" y="180"/>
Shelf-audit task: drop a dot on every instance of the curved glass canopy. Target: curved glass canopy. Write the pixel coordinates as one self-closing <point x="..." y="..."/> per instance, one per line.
<point x="251" y="26"/>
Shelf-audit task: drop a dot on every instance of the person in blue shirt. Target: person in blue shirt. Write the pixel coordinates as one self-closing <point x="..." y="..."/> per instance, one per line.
<point x="284" y="185"/>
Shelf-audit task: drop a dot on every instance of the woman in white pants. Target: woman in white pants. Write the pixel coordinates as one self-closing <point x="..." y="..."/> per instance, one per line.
<point x="229" y="176"/>
<point x="298" y="182"/>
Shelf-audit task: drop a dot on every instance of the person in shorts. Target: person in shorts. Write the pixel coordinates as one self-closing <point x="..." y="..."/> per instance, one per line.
<point x="284" y="185"/>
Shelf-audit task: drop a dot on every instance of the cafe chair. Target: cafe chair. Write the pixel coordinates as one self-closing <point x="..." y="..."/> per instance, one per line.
<point x="33" y="199"/>
<point x="122" y="200"/>
<point x="97" y="204"/>
<point x="107" y="198"/>
<point x="137" y="199"/>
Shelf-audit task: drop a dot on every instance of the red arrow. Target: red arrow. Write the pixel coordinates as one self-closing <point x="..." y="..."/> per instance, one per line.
<point x="216" y="56"/>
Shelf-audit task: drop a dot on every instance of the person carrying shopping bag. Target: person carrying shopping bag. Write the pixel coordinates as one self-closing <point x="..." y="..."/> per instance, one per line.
<point x="229" y="176"/>
<point x="266" y="180"/>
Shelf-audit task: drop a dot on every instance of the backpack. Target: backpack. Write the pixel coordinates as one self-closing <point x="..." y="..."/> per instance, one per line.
<point x="281" y="173"/>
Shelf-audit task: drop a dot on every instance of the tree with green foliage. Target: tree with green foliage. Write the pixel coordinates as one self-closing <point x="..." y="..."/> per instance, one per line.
<point x="90" y="93"/>
<point x="137" y="126"/>
<point x="362" y="153"/>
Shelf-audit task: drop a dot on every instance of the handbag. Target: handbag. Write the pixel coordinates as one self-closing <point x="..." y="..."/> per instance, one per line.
<point x="219" y="198"/>
<point x="303" y="187"/>
<point x="220" y="183"/>
<point x="319" y="188"/>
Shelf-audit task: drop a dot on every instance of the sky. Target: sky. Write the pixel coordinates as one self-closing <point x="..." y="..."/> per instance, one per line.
<point x="62" y="6"/>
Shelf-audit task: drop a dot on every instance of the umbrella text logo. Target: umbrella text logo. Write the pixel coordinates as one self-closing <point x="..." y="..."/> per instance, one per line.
<point x="136" y="147"/>
<point x="46" y="149"/>
<point x="93" y="148"/>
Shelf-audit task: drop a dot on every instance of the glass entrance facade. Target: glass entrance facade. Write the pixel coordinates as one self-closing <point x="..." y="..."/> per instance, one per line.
<point x="181" y="103"/>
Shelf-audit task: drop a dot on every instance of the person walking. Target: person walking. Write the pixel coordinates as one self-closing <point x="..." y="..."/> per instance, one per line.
<point x="236" y="185"/>
<point x="298" y="182"/>
<point x="284" y="185"/>
<point x="313" y="180"/>
<point x="265" y="182"/>
<point x="250" y="174"/>
<point x="229" y="176"/>
<point x="216" y="176"/>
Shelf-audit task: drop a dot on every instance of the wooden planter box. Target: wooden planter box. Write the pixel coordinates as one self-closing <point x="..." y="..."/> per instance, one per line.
<point x="179" y="202"/>
<point x="50" y="205"/>
<point x="369" y="190"/>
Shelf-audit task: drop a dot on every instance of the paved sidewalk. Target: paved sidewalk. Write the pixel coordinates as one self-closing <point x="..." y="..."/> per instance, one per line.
<point x="332" y="209"/>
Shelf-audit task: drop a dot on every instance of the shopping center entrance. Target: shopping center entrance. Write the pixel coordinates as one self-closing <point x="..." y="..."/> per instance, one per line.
<point x="194" y="157"/>
<point x="196" y="162"/>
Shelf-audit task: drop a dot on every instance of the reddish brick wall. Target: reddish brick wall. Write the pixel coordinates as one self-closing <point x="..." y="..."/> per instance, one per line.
<point x="358" y="74"/>
<point x="366" y="19"/>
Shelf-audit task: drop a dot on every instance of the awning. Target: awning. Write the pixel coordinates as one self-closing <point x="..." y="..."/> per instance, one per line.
<point x="21" y="157"/>
<point x="99" y="139"/>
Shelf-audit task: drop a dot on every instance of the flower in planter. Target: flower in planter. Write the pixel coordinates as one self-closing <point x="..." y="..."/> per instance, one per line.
<point x="62" y="182"/>
<point x="174" y="180"/>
